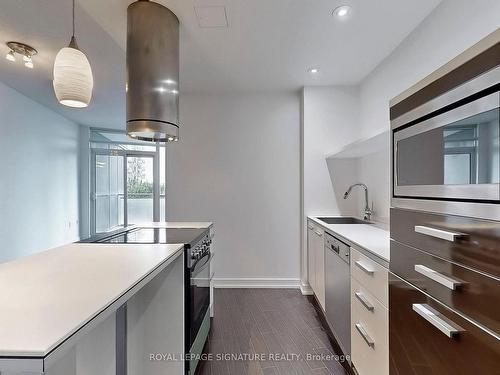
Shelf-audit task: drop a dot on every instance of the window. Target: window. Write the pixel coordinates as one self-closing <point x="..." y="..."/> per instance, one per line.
<point x="127" y="181"/>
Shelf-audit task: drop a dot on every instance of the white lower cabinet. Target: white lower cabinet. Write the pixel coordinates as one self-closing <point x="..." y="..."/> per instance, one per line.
<point x="316" y="261"/>
<point x="310" y="256"/>
<point x="94" y="353"/>
<point x="155" y="324"/>
<point x="369" y="324"/>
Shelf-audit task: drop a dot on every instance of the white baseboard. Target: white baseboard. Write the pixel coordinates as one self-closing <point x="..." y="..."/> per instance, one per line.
<point x="306" y="289"/>
<point x="256" y="283"/>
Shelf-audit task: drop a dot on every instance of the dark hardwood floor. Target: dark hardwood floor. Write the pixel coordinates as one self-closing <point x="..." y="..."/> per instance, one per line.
<point x="267" y="332"/>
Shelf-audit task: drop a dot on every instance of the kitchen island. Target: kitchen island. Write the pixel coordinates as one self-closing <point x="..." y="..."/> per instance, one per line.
<point x="58" y="313"/>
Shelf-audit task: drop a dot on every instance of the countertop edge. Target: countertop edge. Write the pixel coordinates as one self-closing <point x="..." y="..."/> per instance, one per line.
<point x="368" y="252"/>
<point x="145" y="278"/>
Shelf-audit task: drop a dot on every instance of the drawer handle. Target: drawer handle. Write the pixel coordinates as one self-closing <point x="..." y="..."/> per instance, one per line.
<point x="439" y="233"/>
<point x="318" y="233"/>
<point x="446" y="281"/>
<point x="434" y="317"/>
<point x="360" y="296"/>
<point x="369" y="341"/>
<point x="364" y="267"/>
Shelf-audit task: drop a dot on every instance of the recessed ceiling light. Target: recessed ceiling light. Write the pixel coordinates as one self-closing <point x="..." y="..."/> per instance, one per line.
<point x="313" y="70"/>
<point x="342" y="11"/>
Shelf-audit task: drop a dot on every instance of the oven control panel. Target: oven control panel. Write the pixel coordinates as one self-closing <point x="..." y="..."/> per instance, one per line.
<point x="198" y="251"/>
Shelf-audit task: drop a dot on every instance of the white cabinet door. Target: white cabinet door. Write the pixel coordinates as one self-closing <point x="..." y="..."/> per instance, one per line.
<point x="316" y="261"/>
<point x="155" y="324"/>
<point x="311" y="264"/>
<point x="319" y="251"/>
<point x="369" y="316"/>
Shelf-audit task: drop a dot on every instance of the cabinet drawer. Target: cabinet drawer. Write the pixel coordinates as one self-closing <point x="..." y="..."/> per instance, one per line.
<point x="370" y="274"/>
<point x="462" y="289"/>
<point x="417" y="345"/>
<point x="372" y="319"/>
<point x="477" y="244"/>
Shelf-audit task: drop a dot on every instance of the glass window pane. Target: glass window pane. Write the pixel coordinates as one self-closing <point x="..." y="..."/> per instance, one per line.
<point x="109" y="192"/>
<point x="102" y="213"/>
<point x="102" y="174"/>
<point x="120" y="170"/>
<point x="139" y="189"/>
<point x="163" y="183"/>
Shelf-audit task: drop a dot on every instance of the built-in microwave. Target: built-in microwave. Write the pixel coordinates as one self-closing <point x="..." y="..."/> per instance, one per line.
<point x="448" y="149"/>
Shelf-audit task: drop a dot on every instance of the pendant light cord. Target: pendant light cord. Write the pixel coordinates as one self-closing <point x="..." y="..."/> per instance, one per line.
<point x="73" y="18"/>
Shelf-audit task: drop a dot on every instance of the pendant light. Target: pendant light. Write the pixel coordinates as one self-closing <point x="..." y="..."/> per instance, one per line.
<point x="73" y="81"/>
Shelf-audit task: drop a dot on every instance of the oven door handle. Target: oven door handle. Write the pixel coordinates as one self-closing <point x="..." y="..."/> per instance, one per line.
<point x="204" y="265"/>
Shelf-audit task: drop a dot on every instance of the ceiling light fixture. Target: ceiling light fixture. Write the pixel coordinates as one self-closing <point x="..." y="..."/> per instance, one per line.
<point x="313" y="70"/>
<point x="10" y="56"/>
<point x="73" y="80"/>
<point x="342" y="11"/>
<point x="22" y="49"/>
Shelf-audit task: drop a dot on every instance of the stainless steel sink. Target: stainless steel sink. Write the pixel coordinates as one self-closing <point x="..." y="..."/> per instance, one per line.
<point x="342" y="220"/>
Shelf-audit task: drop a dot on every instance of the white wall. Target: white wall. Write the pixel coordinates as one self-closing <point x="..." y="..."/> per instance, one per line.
<point x="237" y="164"/>
<point x="329" y="121"/>
<point x="453" y="27"/>
<point x="39" y="177"/>
<point x="374" y="171"/>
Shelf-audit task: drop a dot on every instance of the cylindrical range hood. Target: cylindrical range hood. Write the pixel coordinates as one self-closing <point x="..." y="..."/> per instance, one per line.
<point x="152" y="72"/>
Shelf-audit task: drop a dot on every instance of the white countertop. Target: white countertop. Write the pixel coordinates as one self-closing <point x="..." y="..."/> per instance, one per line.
<point x="179" y="224"/>
<point x="48" y="296"/>
<point x="367" y="236"/>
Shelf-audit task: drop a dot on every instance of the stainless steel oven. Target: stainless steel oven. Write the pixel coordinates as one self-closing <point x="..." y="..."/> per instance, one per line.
<point x="197" y="305"/>
<point x="448" y="148"/>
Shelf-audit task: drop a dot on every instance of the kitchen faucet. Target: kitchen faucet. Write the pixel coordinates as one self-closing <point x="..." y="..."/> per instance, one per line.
<point x="368" y="211"/>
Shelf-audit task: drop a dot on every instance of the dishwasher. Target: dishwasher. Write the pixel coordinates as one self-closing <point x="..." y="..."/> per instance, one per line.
<point x="338" y="291"/>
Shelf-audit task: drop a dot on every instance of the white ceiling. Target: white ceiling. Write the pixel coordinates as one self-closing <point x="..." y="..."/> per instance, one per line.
<point x="269" y="45"/>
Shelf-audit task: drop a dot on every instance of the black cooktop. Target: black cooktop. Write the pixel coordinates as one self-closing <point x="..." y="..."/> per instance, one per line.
<point x="188" y="236"/>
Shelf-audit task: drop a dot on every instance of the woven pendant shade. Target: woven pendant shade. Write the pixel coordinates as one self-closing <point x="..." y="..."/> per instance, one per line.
<point x="73" y="81"/>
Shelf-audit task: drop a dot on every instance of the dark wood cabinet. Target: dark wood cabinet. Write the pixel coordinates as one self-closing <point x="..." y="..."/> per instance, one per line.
<point x="444" y="280"/>
<point x="478" y="249"/>
<point x="464" y="290"/>
<point x="476" y="66"/>
<point x="419" y="347"/>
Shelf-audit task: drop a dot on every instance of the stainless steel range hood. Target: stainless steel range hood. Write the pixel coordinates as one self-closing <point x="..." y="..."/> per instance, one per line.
<point x="152" y="72"/>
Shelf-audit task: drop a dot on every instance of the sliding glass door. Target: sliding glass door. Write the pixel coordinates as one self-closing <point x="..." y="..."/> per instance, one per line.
<point x="125" y="188"/>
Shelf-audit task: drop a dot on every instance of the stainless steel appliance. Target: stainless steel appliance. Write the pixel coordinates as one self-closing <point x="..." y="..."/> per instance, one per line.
<point x="197" y="285"/>
<point x="338" y="291"/>
<point x="446" y="150"/>
<point x="197" y="258"/>
<point x="152" y="72"/>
